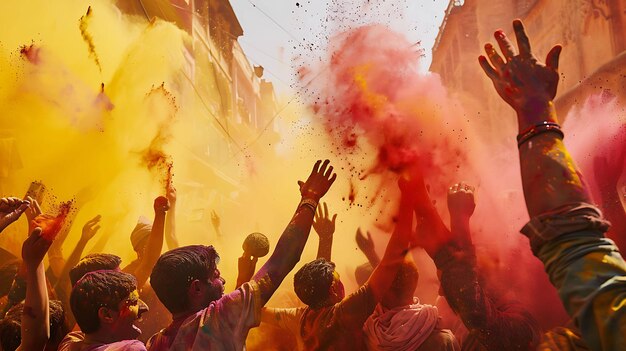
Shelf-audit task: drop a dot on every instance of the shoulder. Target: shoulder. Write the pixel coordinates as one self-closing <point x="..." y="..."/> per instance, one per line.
<point x="126" y="345"/>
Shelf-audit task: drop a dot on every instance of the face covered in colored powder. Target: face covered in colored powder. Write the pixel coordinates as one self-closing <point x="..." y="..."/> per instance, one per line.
<point x="215" y="287"/>
<point x="129" y="311"/>
<point x="337" y="291"/>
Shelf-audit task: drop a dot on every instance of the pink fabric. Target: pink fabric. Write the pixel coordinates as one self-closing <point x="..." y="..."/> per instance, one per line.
<point x="75" y="341"/>
<point x="224" y="325"/>
<point x="402" y="328"/>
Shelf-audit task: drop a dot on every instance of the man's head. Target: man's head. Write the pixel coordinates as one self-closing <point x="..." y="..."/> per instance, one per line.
<point x="186" y="279"/>
<point x="107" y="301"/>
<point x="92" y="263"/>
<point x="10" y="327"/>
<point x="139" y="235"/>
<point x="403" y="287"/>
<point x="318" y="285"/>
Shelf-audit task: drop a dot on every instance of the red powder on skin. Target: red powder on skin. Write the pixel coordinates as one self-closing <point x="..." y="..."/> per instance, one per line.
<point x="51" y="224"/>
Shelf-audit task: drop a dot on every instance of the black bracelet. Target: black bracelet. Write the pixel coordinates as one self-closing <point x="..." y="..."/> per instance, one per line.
<point x="541" y="128"/>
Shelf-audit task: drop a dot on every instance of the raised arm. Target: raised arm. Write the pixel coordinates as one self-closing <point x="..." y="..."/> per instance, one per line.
<point x="397" y="247"/>
<point x="63" y="285"/>
<point x="11" y="208"/>
<point x="35" y="327"/>
<point x="325" y="228"/>
<point x="170" y="221"/>
<point x="291" y="243"/>
<point x="155" y="242"/>
<point x="566" y="232"/>
<point x="497" y="326"/>
<point x="366" y="245"/>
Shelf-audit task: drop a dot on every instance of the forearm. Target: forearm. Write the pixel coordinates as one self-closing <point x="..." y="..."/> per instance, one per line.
<point x="587" y="271"/>
<point x="152" y="250"/>
<point x="170" y="229"/>
<point x="549" y="174"/>
<point x="287" y="252"/>
<point x="384" y="274"/>
<point x="325" y="247"/>
<point x="496" y="329"/>
<point x="35" y="327"/>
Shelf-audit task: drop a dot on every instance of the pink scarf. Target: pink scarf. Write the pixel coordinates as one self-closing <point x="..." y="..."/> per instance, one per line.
<point x="402" y="328"/>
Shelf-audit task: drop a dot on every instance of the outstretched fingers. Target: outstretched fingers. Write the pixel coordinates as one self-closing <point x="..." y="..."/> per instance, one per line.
<point x="552" y="60"/>
<point x="523" y="43"/>
<point x="489" y="70"/>
<point x="505" y="45"/>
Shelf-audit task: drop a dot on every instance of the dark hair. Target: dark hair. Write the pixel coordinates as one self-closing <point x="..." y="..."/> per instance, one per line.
<point x="92" y="263"/>
<point x="403" y="285"/>
<point x="7" y="275"/>
<point x="312" y="282"/>
<point x="99" y="289"/>
<point x="176" y="269"/>
<point x="10" y="326"/>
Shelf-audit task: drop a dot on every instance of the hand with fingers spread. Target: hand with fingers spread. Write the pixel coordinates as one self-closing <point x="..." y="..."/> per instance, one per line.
<point x="32" y="212"/>
<point x="11" y="208"/>
<point x="319" y="181"/>
<point x="325" y="228"/>
<point x="91" y="228"/>
<point x="520" y="79"/>
<point x="366" y="245"/>
<point x="323" y="225"/>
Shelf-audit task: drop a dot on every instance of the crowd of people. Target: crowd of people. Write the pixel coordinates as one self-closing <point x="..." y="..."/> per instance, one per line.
<point x="97" y="303"/>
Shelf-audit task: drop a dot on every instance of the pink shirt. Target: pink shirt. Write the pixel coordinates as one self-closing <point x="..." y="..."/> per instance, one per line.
<point x="75" y="341"/>
<point x="224" y="325"/>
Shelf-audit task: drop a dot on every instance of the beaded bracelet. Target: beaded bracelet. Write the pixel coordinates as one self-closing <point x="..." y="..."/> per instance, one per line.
<point x="309" y="203"/>
<point x="535" y="130"/>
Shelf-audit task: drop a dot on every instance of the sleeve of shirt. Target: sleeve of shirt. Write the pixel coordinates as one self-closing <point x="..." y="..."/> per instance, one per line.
<point x="241" y="309"/>
<point x="504" y="326"/>
<point x="356" y="308"/>
<point x="586" y="269"/>
<point x="283" y="318"/>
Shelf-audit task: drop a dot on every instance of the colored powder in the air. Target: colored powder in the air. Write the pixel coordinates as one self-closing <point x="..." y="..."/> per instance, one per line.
<point x="51" y="224"/>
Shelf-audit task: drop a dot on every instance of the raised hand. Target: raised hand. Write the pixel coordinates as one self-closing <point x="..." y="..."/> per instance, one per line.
<point x="161" y="205"/>
<point x="171" y="194"/>
<point x="34" y="249"/>
<point x="246" y="265"/>
<point x="323" y="225"/>
<point x="318" y="183"/>
<point x="526" y="84"/>
<point x="91" y="228"/>
<point x="11" y="208"/>
<point x="366" y="245"/>
<point x="431" y="232"/>
<point x="461" y="202"/>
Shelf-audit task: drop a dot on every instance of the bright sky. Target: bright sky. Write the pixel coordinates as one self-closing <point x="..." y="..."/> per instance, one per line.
<point x="277" y="30"/>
